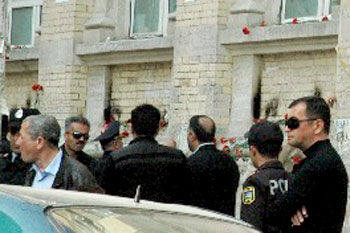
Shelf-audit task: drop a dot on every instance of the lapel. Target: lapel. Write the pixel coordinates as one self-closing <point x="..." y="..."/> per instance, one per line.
<point x="59" y="180"/>
<point x="30" y="177"/>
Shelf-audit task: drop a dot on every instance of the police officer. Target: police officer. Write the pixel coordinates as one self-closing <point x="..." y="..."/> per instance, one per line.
<point x="270" y="180"/>
<point x="12" y="167"/>
<point x="110" y="141"/>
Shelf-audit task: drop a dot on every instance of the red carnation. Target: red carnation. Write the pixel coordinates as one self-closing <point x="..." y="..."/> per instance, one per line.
<point x="214" y="140"/>
<point x="35" y="87"/>
<point x="226" y="147"/>
<point x="325" y="18"/>
<point x="295" y="21"/>
<point x="223" y="140"/>
<point x="246" y="31"/>
<point x="232" y="140"/>
<point x="125" y="134"/>
<point x="262" y="24"/>
<point x="296" y="159"/>
<point x="40" y="88"/>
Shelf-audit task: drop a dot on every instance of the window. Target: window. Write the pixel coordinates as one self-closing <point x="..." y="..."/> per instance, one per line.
<point x="150" y="17"/>
<point x="24" y="20"/>
<point x="304" y="10"/>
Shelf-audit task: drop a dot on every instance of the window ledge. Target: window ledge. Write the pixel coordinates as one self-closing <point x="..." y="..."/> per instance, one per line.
<point x="127" y="51"/>
<point x="282" y="38"/>
<point x="21" y="54"/>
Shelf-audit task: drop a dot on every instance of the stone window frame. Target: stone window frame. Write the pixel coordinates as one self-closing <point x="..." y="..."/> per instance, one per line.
<point x="164" y="16"/>
<point x="36" y="17"/>
<point x="323" y="10"/>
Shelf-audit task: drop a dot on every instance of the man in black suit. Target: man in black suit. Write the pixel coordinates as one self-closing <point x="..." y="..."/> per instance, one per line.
<point x="316" y="200"/>
<point x="213" y="175"/>
<point x="159" y="170"/>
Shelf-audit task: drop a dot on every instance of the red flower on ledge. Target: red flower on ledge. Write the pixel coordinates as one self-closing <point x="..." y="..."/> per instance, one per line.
<point x="37" y="87"/>
<point x="325" y="18"/>
<point x="295" y="21"/>
<point x="246" y="31"/>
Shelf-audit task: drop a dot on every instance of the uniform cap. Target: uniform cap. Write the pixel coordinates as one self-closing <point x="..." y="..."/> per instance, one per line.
<point x="111" y="132"/>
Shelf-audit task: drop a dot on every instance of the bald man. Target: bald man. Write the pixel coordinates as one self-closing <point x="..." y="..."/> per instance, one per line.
<point x="214" y="176"/>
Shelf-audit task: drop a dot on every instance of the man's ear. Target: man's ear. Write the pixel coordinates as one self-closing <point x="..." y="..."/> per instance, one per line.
<point x="40" y="142"/>
<point x="318" y="126"/>
<point x="253" y="150"/>
<point x="66" y="135"/>
<point x="192" y="136"/>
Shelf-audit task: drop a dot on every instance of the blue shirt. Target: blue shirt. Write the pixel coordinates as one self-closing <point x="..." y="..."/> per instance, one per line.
<point x="45" y="179"/>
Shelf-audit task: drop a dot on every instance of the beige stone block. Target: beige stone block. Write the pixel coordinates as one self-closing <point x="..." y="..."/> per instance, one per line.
<point x="189" y="91"/>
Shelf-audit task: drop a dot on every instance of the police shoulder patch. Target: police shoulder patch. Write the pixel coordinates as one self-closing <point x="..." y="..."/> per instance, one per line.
<point x="248" y="195"/>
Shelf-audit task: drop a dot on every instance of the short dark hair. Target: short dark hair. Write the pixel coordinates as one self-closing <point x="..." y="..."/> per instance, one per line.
<point x="316" y="107"/>
<point x="203" y="133"/>
<point x="75" y="119"/>
<point x="267" y="137"/>
<point x="145" y="120"/>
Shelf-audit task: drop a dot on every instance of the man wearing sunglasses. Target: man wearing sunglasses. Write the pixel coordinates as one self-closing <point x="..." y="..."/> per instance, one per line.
<point x="76" y="135"/>
<point x="316" y="200"/>
<point x="12" y="167"/>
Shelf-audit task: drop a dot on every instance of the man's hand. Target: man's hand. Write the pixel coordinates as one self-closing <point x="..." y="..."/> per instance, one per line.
<point x="299" y="217"/>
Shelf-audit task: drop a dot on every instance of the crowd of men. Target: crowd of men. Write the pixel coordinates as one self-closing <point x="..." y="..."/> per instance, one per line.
<point x="310" y="199"/>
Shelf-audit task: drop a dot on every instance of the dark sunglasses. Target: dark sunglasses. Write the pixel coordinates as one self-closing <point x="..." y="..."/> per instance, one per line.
<point x="77" y="135"/>
<point x="294" y="123"/>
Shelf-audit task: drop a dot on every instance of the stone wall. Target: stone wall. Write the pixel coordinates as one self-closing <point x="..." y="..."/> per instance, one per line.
<point x="60" y="71"/>
<point x="288" y="76"/>
<point x="18" y="89"/>
<point x="201" y="77"/>
<point x="136" y="84"/>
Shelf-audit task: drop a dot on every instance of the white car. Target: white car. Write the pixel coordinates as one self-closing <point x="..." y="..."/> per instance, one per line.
<point x="30" y="210"/>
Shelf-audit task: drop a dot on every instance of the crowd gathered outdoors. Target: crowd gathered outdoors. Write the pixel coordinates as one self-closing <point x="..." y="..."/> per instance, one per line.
<point x="311" y="198"/>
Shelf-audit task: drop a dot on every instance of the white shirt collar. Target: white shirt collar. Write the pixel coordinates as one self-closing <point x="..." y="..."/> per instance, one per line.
<point x="203" y="144"/>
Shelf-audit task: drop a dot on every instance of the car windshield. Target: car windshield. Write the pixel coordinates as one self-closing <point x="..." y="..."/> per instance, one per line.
<point x="126" y="220"/>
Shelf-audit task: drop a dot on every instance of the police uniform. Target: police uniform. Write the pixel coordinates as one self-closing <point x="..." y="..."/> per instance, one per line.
<point x="270" y="180"/>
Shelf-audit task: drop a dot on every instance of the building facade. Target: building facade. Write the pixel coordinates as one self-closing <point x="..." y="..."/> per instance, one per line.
<point x="234" y="60"/>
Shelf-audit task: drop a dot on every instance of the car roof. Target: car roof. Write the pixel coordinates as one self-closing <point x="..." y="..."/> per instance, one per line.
<point x="61" y="198"/>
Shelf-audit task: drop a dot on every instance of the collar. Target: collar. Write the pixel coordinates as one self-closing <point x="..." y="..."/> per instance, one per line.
<point x="77" y="154"/>
<point x="143" y="138"/>
<point x="14" y="156"/>
<point x="52" y="168"/>
<point x="273" y="163"/>
<point x="317" y="146"/>
<point x="202" y="145"/>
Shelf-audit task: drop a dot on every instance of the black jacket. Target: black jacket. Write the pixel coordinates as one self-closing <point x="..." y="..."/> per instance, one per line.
<point x="160" y="170"/>
<point x="13" y="172"/>
<point x="269" y="181"/>
<point x="72" y="175"/>
<point x="213" y="178"/>
<point x="320" y="184"/>
<point x="101" y="168"/>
